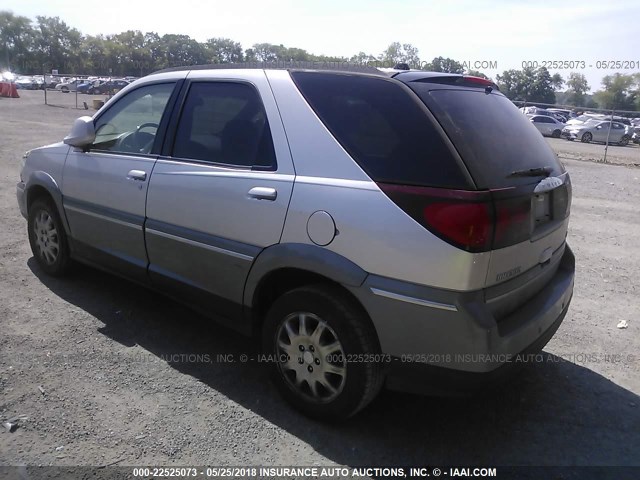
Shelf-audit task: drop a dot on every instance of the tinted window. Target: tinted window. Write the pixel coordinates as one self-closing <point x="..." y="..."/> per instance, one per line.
<point x="382" y="127"/>
<point x="131" y="124"/>
<point x="547" y="120"/>
<point x="224" y="123"/>
<point x="492" y="136"/>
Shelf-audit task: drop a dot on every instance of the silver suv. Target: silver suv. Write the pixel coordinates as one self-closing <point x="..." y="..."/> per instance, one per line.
<point x="403" y="229"/>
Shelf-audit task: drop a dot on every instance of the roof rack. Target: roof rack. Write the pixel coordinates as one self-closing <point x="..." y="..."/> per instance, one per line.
<point x="282" y="65"/>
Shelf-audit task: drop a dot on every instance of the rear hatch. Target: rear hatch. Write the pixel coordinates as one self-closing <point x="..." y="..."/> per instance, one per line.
<point x="506" y="156"/>
<point x="462" y="161"/>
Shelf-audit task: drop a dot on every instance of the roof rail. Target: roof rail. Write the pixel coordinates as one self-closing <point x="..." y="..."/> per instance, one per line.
<point x="282" y="65"/>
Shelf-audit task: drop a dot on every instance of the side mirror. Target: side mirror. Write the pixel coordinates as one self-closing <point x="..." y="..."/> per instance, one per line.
<point x="82" y="133"/>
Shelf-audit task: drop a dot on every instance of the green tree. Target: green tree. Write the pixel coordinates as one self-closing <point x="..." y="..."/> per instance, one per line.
<point x="16" y="41"/>
<point x="619" y="92"/>
<point x="400" y="53"/>
<point x="267" y="52"/>
<point x="153" y="44"/>
<point x="58" y="45"/>
<point x="224" y="50"/>
<point x="542" y="87"/>
<point x="182" y="50"/>
<point x="578" y="88"/>
<point x="447" y="65"/>
<point x="557" y="81"/>
<point x="532" y="85"/>
<point x="362" y="58"/>
<point x="96" y="55"/>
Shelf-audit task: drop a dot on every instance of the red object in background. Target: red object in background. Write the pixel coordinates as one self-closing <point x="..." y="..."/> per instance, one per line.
<point x="9" y="90"/>
<point x="13" y="91"/>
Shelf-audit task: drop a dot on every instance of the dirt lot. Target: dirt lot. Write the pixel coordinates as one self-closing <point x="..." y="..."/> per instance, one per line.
<point x="126" y="379"/>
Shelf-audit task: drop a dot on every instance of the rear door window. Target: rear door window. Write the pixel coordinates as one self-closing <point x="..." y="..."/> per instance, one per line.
<point x="224" y="122"/>
<point x="491" y="134"/>
<point x="383" y="128"/>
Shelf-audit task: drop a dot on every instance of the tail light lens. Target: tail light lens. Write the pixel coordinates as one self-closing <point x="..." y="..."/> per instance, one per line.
<point x="475" y="221"/>
<point x="468" y="225"/>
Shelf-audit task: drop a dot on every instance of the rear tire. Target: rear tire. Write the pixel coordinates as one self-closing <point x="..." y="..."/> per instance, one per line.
<point x="624" y="141"/>
<point x="310" y="333"/>
<point x="556" y="134"/>
<point x="48" y="239"/>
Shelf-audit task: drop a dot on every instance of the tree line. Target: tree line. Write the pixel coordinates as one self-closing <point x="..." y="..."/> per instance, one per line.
<point x="38" y="46"/>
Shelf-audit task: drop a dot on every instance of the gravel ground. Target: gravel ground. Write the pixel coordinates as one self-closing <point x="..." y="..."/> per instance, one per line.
<point x="594" y="152"/>
<point x="106" y="371"/>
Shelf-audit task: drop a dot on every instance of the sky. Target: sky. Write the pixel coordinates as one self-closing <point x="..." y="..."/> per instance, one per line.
<point x="504" y="33"/>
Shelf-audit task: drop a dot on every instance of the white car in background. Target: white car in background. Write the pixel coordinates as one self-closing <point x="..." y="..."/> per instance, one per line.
<point x="546" y="125"/>
<point x="70" y="86"/>
<point x="598" y="131"/>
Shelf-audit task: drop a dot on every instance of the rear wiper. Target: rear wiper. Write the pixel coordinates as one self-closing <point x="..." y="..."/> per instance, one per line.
<point x="532" y="172"/>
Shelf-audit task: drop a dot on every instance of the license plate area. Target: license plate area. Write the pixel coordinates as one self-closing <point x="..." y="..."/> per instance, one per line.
<point x="541" y="207"/>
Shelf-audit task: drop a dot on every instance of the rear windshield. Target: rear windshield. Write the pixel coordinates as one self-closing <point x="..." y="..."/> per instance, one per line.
<point x="493" y="137"/>
<point x="383" y="128"/>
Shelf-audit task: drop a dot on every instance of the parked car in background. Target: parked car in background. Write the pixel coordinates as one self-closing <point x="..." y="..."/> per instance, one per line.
<point x="108" y="87"/>
<point x="566" y="114"/>
<point x="70" y="86"/>
<point x="26" y="83"/>
<point x="369" y="229"/>
<point x="89" y="86"/>
<point x="46" y="81"/>
<point x="636" y="137"/>
<point x="597" y="131"/>
<point x="579" y="120"/>
<point x="547" y="126"/>
<point x="628" y="126"/>
<point x="559" y="117"/>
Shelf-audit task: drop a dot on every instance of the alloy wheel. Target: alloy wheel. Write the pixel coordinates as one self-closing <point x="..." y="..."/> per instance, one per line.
<point x="311" y="357"/>
<point x="46" y="237"/>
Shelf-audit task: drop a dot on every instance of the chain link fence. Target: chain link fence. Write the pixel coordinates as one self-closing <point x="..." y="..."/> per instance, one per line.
<point x="82" y="92"/>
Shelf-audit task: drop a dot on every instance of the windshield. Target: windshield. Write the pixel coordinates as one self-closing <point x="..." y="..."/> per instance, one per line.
<point x="490" y="133"/>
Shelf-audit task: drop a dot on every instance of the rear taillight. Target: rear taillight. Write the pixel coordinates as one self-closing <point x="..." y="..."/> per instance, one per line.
<point x="475" y="221"/>
<point x="468" y="225"/>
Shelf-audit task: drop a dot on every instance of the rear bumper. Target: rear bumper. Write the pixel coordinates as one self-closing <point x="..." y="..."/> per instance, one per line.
<point x="451" y="342"/>
<point x="433" y="380"/>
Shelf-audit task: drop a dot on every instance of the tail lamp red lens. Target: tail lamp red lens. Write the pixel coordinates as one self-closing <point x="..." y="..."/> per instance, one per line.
<point x="475" y="221"/>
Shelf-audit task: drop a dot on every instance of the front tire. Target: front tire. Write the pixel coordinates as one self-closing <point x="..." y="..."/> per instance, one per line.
<point x="624" y="141"/>
<point x="325" y="352"/>
<point x="48" y="239"/>
<point x="586" y="138"/>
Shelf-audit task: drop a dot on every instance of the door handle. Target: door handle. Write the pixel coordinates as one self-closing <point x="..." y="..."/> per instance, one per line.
<point x="139" y="175"/>
<point x="263" y="193"/>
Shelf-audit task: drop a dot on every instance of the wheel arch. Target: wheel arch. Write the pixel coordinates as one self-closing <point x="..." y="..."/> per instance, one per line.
<point x="283" y="267"/>
<point x="43" y="185"/>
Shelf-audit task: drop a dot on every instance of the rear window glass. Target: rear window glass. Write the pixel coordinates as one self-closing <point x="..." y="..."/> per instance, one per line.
<point x="383" y="128"/>
<point x="493" y="137"/>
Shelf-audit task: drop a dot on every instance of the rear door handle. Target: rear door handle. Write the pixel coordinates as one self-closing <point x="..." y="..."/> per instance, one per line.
<point x="139" y="175"/>
<point x="263" y="193"/>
